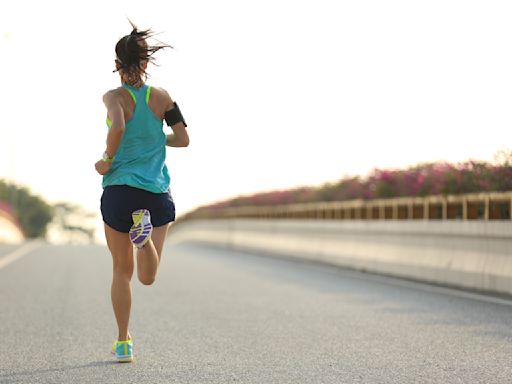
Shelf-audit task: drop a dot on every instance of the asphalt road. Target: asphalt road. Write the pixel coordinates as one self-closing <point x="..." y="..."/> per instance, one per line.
<point x="219" y="316"/>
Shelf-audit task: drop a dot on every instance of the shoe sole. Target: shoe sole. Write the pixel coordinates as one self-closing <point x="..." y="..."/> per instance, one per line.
<point x="127" y="360"/>
<point x="140" y="232"/>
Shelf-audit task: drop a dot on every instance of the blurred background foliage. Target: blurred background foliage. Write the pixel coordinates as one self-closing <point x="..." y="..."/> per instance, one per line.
<point x="72" y="223"/>
<point x="35" y="216"/>
<point x="435" y="178"/>
<point x="32" y="212"/>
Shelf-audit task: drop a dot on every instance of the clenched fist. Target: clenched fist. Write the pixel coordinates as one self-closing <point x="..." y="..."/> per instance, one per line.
<point x="102" y="167"/>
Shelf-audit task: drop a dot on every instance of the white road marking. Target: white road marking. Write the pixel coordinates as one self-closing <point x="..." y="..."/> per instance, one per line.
<point x="18" y="253"/>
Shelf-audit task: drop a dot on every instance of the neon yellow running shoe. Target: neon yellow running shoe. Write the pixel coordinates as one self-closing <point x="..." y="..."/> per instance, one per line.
<point x="114" y="344"/>
<point x="124" y="351"/>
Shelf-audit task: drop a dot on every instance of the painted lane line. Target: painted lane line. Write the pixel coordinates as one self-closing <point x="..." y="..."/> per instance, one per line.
<point x="18" y="253"/>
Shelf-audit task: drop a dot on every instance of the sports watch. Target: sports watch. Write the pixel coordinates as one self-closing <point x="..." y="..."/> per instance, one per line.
<point x="106" y="158"/>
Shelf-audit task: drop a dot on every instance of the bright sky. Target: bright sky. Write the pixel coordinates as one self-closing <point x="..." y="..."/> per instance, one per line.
<point x="276" y="94"/>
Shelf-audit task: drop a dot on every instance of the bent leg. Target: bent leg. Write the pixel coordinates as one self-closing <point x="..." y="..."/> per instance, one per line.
<point x="148" y="257"/>
<point x="121" y="292"/>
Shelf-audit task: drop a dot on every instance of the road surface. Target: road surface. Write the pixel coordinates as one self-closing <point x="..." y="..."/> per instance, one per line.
<point x="221" y="316"/>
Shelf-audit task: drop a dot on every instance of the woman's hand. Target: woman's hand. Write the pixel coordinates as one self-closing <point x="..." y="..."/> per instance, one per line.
<point x="102" y="167"/>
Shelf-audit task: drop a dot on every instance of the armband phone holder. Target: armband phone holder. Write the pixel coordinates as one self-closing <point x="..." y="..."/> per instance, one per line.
<point x="174" y="116"/>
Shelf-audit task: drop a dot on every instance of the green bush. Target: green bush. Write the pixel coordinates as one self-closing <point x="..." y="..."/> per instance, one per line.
<point x="33" y="213"/>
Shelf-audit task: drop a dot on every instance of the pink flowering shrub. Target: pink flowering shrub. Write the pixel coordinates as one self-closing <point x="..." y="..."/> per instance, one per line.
<point x="419" y="180"/>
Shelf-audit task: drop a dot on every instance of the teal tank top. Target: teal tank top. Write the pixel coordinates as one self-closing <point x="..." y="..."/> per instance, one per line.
<point x="140" y="158"/>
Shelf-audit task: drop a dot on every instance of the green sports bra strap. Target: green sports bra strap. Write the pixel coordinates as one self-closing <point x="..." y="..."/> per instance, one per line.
<point x="131" y="94"/>
<point x="148" y="92"/>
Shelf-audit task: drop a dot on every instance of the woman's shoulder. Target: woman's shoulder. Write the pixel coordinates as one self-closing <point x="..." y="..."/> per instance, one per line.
<point x="162" y="94"/>
<point x="113" y="94"/>
<point x="160" y="91"/>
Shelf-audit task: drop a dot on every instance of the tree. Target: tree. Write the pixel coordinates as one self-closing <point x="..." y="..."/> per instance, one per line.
<point x="33" y="213"/>
<point x="72" y="224"/>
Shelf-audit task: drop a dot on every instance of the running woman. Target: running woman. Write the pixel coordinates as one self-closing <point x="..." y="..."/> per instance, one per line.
<point x="136" y="204"/>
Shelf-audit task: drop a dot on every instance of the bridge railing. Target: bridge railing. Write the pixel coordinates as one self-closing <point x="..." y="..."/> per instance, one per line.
<point x="475" y="206"/>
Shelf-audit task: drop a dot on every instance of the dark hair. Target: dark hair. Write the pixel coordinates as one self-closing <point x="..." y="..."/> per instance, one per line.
<point x="133" y="49"/>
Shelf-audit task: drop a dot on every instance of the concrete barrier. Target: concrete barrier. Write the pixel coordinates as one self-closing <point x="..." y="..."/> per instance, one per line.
<point x="466" y="254"/>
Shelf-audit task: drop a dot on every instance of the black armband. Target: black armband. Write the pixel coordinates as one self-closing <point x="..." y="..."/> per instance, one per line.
<point x="174" y="116"/>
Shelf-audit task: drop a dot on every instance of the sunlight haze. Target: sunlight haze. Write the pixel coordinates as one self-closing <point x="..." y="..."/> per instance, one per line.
<point x="276" y="94"/>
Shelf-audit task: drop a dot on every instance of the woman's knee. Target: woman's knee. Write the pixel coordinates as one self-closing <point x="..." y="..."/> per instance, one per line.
<point x="124" y="270"/>
<point x="146" y="279"/>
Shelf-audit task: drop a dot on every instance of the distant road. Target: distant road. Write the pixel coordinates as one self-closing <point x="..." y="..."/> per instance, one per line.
<point x="218" y="316"/>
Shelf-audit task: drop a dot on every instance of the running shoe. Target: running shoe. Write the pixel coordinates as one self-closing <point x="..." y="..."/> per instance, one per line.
<point x="124" y="351"/>
<point x="141" y="230"/>
<point x="114" y="344"/>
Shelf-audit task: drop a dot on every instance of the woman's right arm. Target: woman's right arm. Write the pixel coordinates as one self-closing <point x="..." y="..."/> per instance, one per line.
<point x="115" y="113"/>
<point x="115" y="116"/>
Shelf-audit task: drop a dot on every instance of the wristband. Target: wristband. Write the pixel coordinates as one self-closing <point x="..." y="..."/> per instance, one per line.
<point x="107" y="159"/>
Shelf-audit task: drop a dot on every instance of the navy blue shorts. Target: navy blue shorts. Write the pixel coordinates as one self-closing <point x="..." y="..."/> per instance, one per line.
<point x="119" y="201"/>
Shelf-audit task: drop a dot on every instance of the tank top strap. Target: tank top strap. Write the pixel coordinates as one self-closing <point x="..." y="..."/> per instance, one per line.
<point x="141" y="93"/>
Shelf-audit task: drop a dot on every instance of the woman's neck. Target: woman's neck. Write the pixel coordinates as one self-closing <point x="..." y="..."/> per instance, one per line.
<point x="137" y="84"/>
<point x="134" y="81"/>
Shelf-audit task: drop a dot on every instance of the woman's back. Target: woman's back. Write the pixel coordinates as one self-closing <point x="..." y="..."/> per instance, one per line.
<point x="140" y="158"/>
<point x="159" y="101"/>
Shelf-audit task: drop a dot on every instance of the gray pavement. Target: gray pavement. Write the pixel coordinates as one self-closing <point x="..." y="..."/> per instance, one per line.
<point x="220" y="316"/>
<point x="5" y="249"/>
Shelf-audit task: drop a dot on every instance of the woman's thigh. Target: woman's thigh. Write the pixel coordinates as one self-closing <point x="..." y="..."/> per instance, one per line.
<point x="120" y="247"/>
<point x="158" y="236"/>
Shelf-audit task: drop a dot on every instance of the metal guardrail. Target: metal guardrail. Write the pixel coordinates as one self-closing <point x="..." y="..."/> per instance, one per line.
<point x="476" y="206"/>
